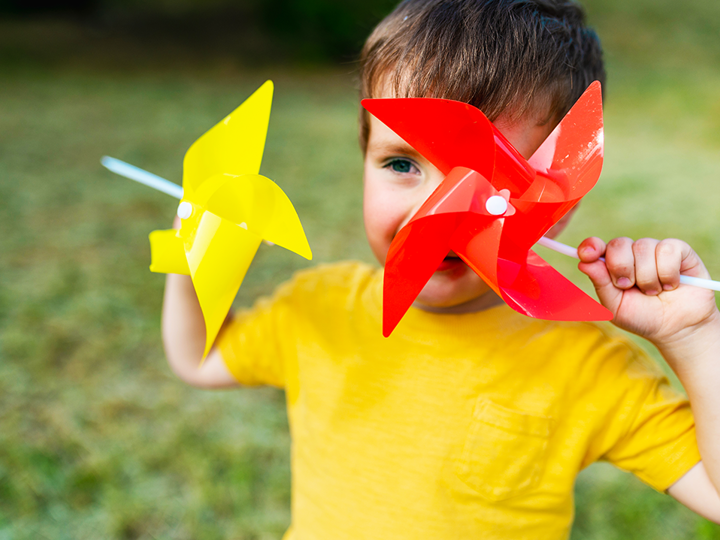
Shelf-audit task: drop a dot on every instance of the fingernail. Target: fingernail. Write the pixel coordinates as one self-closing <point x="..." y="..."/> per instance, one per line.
<point x="668" y="287"/>
<point x="651" y="293"/>
<point x="623" y="282"/>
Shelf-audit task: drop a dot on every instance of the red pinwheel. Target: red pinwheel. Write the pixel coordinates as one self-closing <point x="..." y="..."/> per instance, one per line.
<point x="493" y="205"/>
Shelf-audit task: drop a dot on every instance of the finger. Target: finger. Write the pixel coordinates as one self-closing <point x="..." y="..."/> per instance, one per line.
<point x="646" y="272"/>
<point x="669" y="258"/>
<point x="620" y="262"/>
<point x="591" y="249"/>
<point x="608" y="294"/>
<point x="692" y="264"/>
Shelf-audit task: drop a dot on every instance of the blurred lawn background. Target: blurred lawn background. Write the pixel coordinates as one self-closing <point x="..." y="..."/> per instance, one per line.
<point x="97" y="438"/>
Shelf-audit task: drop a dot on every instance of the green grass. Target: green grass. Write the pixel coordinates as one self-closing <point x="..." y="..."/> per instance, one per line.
<point x="97" y="438"/>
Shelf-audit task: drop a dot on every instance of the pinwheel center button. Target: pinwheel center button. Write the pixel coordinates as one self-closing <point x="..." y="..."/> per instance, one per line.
<point x="184" y="210"/>
<point x="496" y="205"/>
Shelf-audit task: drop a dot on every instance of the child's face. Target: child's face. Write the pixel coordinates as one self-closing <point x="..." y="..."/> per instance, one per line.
<point x="397" y="181"/>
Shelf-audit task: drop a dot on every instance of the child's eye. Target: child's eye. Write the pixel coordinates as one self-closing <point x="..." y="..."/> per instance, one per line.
<point x="402" y="166"/>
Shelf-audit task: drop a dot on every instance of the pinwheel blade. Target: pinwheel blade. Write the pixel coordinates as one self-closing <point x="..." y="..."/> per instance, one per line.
<point x="167" y="253"/>
<point x="234" y="146"/>
<point x="461" y="191"/>
<point x="477" y="243"/>
<point x="536" y="289"/>
<point x="530" y="222"/>
<point x="447" y="133"/>
<point x="219" y="254"/>
<point x="414" y="256"/>
<point x="572" y="155"/>
<point x="259" y="205"/>
<point x="568" y="164"/>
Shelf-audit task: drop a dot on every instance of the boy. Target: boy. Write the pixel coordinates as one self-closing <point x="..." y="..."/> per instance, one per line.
<point x="471" y="421"/>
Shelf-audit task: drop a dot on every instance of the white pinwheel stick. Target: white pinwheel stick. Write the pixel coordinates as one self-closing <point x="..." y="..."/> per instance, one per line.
<point x="572" y="252"/>
<point x="149" y="179"/>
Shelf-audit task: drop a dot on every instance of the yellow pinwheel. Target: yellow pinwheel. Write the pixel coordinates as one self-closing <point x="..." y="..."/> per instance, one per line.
<point x="227" y="209"/>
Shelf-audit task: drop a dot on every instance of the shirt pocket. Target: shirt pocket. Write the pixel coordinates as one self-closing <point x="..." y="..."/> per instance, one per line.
<point x="505" y="451"/>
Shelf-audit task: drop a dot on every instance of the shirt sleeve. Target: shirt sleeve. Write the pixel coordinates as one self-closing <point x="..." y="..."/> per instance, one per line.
<point x="254" y="346"/>
<point x="655" y="435"/>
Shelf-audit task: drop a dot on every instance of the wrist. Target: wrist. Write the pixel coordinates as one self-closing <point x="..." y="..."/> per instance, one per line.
<point x="180" y="283"/>
<point x="693" y="345"/>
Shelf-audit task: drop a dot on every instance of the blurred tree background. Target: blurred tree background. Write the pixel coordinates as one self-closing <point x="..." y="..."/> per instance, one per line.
<point x="258" y="30"/>
<point x="97" y="438"/>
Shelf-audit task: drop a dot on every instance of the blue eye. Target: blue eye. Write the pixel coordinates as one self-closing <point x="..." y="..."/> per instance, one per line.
<point x="402" y="166"/>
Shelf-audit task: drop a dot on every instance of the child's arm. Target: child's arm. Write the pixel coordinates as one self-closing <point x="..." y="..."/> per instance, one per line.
<point x="638" y="283"/>
<point x="183" y="331"/>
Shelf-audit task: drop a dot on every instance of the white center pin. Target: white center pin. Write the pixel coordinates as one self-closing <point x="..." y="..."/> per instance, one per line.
<point x="496" y="205"/>
<point x="184" y="210"/>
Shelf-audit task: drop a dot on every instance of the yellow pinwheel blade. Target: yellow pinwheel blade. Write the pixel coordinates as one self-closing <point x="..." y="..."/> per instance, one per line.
<point x="234" y="146"/>
<point x="218" y="255"/>
<point x="257" y="204"/>
<point x="167" y="253"/>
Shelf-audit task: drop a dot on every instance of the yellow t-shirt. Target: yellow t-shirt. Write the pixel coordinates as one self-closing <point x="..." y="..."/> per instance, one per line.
<point x="456" y="426"/>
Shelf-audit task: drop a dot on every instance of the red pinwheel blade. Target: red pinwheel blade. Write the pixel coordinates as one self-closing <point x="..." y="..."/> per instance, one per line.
<point x="536" y="289"/>
<point x="572" y="155"/>
<point x="460" y="191"/>
<point x="530" y="222"/>
<point x="568" y="164"/>
<point x="477" y="243"/>
<point x="415" y="254"/>
<point x="447" y="133"/>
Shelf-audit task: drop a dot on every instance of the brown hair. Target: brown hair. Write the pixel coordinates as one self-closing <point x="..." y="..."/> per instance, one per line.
<point x="497" y="55"/>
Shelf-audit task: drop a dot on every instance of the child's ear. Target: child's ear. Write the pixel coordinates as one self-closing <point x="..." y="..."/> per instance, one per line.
<point x="559" y="227"/>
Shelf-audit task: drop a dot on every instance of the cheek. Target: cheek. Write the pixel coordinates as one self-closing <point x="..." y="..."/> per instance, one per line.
<point x="383" y="216"/>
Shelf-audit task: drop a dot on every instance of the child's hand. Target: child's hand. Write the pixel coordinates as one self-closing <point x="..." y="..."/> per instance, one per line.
<point x="638" y="283"/>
